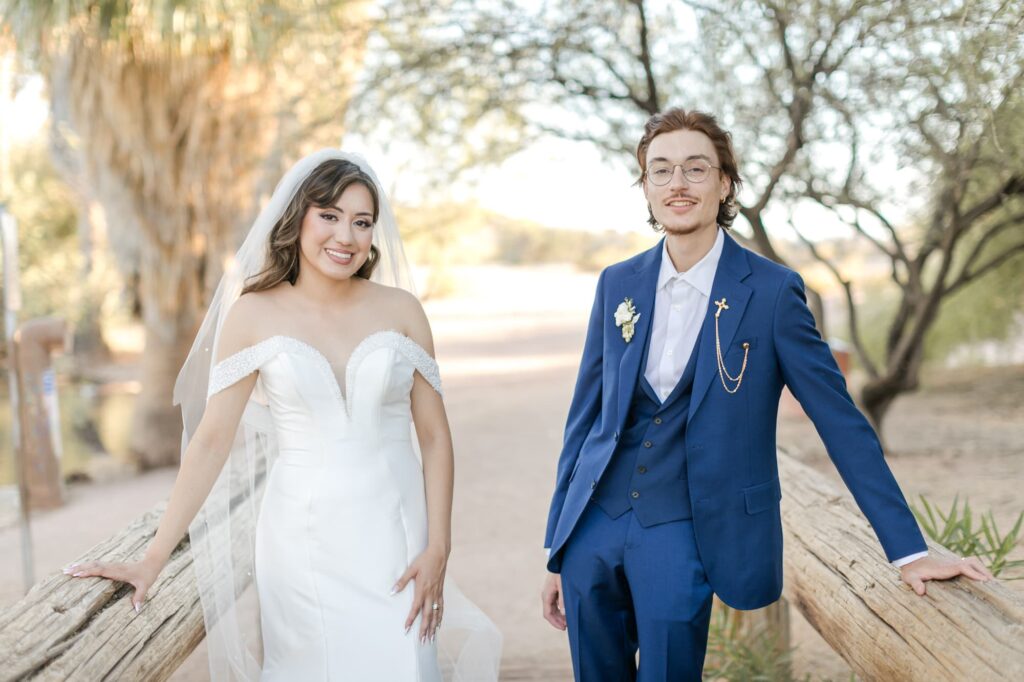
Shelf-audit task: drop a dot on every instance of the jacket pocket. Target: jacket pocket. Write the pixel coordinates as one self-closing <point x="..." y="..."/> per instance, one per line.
<point x="762" y="496"/>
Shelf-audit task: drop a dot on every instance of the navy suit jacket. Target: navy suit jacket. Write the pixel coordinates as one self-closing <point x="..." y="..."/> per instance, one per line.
<point x="730" y="448"/>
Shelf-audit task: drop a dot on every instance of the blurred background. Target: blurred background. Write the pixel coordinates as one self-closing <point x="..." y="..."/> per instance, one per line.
<point x="881" y="145"/>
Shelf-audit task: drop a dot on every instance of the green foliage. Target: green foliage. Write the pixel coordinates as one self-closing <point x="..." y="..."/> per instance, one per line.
<point x="984" y="310"/>
<point x="956" y="531"/>
<point x="50" y="259"/>
<point x="744" y="657"/>
<point x="734" y="655"/>
<point x="253" y="29"/>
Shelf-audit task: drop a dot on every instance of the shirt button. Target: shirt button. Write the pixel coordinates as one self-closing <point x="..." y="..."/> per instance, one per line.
<point x="676" y="306"/>
<point x="634" y="494"/>
<point x="648" y="443"/>
<point x="668" y="353"/>
<point x="657" y="420"/>
<point x="642" y="469"/>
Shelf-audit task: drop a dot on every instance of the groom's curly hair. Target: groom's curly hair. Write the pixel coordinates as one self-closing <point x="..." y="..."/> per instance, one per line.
<point x="322" y="188"/>
<point x="677" y="118"/>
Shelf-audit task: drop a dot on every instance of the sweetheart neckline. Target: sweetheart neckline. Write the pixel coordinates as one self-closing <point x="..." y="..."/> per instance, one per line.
<point x="355" y="349"/>
<point x="318" y="355"/>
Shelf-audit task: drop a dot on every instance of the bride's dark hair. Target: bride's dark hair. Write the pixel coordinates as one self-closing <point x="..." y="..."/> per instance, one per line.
<point x="322" y="189"/>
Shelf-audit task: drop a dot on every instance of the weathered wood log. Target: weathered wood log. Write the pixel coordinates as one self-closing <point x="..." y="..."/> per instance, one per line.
<point x="69" y="628"/>
<point x="85" y="628"/>
<point x="839" y="578"/>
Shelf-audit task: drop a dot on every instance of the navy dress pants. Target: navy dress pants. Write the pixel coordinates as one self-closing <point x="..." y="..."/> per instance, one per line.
<point x="626" y="587"/>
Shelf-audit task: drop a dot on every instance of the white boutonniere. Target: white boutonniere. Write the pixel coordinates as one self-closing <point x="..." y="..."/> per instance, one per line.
<point x="626" y="317"/>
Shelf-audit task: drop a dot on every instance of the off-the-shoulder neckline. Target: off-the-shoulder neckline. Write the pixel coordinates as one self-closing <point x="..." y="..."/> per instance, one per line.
<point x="344" y="396"/>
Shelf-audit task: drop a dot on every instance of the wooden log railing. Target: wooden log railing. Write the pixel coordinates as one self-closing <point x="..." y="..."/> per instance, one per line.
<point x="839" y="579"/>
<point x="83" y="629"/>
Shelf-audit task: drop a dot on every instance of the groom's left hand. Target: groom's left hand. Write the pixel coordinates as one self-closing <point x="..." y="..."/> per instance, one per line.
<point x="920" y="571"/>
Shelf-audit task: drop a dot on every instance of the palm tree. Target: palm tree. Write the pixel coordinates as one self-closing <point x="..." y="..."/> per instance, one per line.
<point x="180" y="115"/>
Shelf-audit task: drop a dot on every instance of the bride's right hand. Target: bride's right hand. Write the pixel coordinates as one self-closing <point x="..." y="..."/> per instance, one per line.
<point x="141" y="575"/>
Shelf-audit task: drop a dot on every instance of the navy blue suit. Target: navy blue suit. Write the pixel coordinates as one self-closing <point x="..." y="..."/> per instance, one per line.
<point x="703" y="514"/>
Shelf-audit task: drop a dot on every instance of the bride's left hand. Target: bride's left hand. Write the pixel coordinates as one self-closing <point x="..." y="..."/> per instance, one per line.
<point x="428" y="571"/>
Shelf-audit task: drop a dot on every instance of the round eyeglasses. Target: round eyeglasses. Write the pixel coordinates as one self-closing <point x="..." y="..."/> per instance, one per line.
<point x="695" y="170"/>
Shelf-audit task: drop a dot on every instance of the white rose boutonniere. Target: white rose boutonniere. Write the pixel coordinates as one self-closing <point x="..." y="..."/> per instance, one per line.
<point x="626" y="317"/>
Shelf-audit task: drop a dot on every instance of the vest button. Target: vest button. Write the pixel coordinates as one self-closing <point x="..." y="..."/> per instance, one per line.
<point x="593" y="484"/>
<point x="657" y="420"/>
<point x="634" y="494"/>
<point x="642" y="469"/>
<point x="616" y="437"/>
<point x="648" y="443"/>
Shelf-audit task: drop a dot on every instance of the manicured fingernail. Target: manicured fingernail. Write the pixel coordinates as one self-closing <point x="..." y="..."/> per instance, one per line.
<point x="138" y="607"/>
<point x="67" y="571"/>
<point x="394" y="591"/>
<point x="79" y="574"/>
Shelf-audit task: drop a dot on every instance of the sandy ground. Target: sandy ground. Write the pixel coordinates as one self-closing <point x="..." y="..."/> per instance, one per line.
<point x="508" y="351"/>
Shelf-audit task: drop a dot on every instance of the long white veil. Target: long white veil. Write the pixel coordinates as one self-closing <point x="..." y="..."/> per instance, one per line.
<point x="222" y="534"/>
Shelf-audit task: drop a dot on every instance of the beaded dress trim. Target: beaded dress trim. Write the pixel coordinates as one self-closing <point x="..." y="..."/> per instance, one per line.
<point x="239" y="365"/>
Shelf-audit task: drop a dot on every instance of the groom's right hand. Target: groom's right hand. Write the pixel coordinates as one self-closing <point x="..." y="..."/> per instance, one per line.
<point x="551" y="601"/>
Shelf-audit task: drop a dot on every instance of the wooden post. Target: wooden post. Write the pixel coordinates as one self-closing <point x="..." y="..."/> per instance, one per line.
<point x="39" y="451"/>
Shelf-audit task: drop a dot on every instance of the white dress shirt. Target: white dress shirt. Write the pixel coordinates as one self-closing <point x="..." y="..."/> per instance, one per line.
<point x="680" y="303"/>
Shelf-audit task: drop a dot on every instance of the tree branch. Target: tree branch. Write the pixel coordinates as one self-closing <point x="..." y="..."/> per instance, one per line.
<point x="992" y="232"/>
<point x="993" y="263"/>
<point x="855" y="336"/>
<point x="653" y="100"/>
<point x="1012" y="187"/>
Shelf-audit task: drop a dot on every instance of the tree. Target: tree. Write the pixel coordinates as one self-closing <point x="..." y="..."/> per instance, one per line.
<point x="180" y="115"/>
<point x="809" y="89"/>
<point x="947" y="98"/>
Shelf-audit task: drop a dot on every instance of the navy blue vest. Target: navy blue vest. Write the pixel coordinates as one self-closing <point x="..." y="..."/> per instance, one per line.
<point x="647" y="471"/>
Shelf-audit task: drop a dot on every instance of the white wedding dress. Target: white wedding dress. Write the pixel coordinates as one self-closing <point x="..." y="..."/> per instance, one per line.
<point x="344" y="510"/>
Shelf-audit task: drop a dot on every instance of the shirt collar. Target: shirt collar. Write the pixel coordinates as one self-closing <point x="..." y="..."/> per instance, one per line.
<point x="701" y="276"/>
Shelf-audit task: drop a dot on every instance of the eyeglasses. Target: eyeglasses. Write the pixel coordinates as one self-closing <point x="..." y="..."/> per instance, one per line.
<point x="695" y="170"/>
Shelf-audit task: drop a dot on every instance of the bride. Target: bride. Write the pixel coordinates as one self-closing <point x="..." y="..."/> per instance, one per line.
<point x="321" y="359"/>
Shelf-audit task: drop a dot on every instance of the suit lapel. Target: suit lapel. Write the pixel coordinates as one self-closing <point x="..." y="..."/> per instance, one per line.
<point x="640" y="286"/>
<point x="733" y="268"/>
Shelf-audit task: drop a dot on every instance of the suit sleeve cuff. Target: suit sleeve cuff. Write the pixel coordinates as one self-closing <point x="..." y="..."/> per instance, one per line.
<point x="902" y="561"/>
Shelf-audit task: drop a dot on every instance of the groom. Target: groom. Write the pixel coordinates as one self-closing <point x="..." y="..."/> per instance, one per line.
<point x="667" y="488"/>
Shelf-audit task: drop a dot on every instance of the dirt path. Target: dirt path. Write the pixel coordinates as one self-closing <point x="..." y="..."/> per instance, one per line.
<point x="508" y="351"/>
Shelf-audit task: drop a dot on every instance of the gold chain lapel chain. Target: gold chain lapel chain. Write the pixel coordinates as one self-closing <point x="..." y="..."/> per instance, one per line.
<point x="723" y="373"/>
